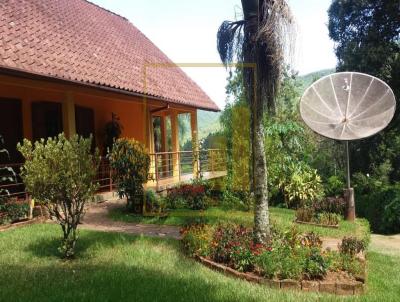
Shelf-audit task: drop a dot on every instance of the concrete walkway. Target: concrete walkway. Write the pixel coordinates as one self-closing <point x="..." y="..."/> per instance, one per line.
<point x="97" y="219"/>
<point x="385" y="244"/>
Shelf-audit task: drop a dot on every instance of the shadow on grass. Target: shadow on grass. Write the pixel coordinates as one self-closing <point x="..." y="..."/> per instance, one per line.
<point x="47" y="247"/>
<point x="102" y="282"/>
<point x="175" y="217"/>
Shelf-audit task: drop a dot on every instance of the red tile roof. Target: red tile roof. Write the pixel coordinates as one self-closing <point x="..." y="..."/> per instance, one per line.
<point x="80" y="41"/>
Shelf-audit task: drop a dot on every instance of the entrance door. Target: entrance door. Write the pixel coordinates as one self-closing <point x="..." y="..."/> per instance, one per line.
<point x="46" y="119"/>
<point x="84" y="123"/>
<point x="10" y="129"/>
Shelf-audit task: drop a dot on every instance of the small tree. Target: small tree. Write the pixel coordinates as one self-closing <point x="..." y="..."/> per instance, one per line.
<point x="59" y="173"/>
<point x="131" y="163"/>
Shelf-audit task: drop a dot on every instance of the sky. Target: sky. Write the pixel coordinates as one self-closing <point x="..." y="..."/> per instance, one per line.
<point x="185" y="30"/>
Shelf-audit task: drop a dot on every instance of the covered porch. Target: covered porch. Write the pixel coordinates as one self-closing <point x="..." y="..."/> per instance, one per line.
<point x="33" y="108"/>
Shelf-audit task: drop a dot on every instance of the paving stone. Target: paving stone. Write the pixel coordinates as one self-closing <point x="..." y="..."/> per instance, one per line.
<point x="290" y="284"/>
<point x="344" y="288"/>
<point x="359" y="288"/>
<point x="327" y="287"/>
<point x="310" y="286"/>
<point x="272" y="283"/>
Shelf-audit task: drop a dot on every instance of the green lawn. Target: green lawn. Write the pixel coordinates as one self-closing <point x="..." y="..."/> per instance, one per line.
<point x="117" y="267"/>
<point x="281" y="218"/>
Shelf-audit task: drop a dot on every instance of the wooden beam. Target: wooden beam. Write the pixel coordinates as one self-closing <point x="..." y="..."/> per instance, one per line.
<point x="195" y="144"/>
<point x="68" y="113"/>
<point x="160" y="109"/>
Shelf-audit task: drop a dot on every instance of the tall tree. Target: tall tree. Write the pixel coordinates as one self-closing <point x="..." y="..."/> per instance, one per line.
<point x="260" y="39"/>
<point x="367" y="39"/>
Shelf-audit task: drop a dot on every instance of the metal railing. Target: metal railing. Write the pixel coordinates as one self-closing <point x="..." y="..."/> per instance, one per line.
<point x="166" y="167"/>
<point x="179" y="166"/>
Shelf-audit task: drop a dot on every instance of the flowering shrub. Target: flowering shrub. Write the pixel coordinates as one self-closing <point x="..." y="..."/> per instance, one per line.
<point x="192" y="196"/>
<point x="233" y="245"/>
<point x="196" y="239"/>
<point x="13" y="211"/>
<point x="289" y="255"/>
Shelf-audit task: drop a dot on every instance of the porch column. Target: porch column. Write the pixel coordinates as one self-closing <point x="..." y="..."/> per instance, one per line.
<point x="149" y="142"/>
<point x="195" y="144"/>
<point x="68" y="113"/>
<point x="175" y="145"/>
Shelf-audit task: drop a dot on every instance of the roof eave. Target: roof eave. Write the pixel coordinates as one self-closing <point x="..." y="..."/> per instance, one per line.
<point x="37" y="76"/>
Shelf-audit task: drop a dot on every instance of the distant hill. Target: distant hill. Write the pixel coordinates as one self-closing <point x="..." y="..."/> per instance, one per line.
<point x="307" y="79"/>
<point x="207" y="122"/>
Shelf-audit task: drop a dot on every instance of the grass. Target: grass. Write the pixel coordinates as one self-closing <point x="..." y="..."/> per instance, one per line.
<point x="118" y="267"/>
<point x="281" y="218"/>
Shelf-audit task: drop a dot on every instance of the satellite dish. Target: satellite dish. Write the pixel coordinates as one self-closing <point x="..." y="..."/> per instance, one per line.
<point x="348" y="106"/>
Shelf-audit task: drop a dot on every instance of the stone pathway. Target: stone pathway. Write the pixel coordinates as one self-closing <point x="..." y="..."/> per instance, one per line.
<point x="97" y="219"/>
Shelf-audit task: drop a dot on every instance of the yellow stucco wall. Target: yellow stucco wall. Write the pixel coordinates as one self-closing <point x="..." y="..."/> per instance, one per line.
<point x="130" y="109"/>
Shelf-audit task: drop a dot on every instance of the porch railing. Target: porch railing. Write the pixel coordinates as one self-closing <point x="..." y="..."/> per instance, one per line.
<point x="166" y="168"/>
<point x="179" y="166"/>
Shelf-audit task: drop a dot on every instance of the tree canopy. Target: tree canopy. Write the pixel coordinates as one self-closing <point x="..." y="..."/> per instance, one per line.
<point x="367" y="38"/>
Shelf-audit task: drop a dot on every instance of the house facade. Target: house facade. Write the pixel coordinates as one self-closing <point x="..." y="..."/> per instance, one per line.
<point x="68" y="66"/>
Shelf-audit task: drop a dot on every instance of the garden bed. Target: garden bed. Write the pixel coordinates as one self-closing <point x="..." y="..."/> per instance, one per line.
<point x="331" y="226"/>
<point x="20" y="223"/>
<point x="288" y="260"/>
<point x="334" y="283"/>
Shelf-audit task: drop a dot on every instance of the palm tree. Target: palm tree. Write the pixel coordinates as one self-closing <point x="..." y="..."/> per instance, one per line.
<point x="260" y="39"/>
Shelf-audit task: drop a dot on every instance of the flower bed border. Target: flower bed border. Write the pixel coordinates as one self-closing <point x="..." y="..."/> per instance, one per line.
<point x="18" y="224"/>
<point x="331" y="226"/>
<point x="337" y="288"/>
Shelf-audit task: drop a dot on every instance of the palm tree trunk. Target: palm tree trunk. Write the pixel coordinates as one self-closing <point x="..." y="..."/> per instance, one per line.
<point x="261" y="210"/>
<point x="257" y="105"/>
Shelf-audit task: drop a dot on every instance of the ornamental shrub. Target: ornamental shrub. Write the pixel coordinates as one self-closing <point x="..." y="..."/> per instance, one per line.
<point x="59" y="173"/>
<point x="192" y="196"/>
<point x="311" y="240"/>
<point x="305" y="214"/>
<point x="352" y="246"/>
<point x="315" y="266"/>
<point x="303" y="185"/>
<point x="130" y="162"/>
<point x="197" y="239"/>
<point x="334" y="186"/>
<point x="281" y="261"/>
<point x="336" y="205"/>
<point x="13" y="211"/>
<point x="237" y="200"/>
<point x="154" y="203"/>
<point x="326" y="218"/>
